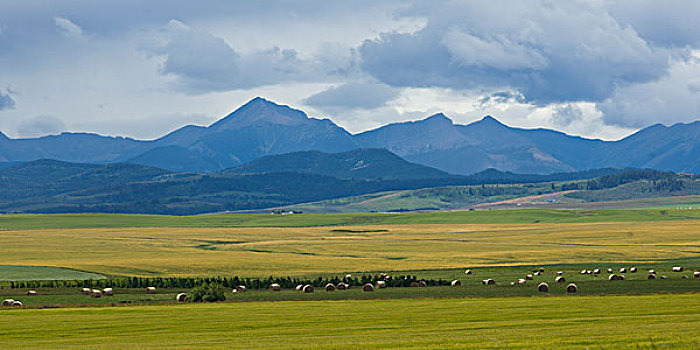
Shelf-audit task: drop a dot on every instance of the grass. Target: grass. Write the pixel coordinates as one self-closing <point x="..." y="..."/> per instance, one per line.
<point x="35" y="273"/>
<point x="581" y="322"/>
<point x="518" y="216"/>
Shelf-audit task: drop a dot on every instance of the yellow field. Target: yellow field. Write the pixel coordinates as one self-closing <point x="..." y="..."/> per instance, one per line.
<point x="313" y="250"/>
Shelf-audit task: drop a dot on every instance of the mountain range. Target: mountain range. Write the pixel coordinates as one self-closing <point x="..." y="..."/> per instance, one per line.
<point x="262" y="128"/>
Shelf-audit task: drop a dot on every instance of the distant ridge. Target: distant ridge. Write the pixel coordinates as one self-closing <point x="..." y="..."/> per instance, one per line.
<point x="262" y="128"/>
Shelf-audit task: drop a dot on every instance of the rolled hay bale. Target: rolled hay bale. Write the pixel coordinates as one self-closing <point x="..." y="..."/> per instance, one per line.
<point x="8" y="302"/>
<point x="521" y="281"/>
<point x="348" y="277"/>
<point x="456" y="283"/>
<point x="529" y="277"/>
<point x="588" y="272"/>
<point x="85" y="291"/>
<point x="368" y="288"/>
<point x="512" y="283"/>
<point x="623" y="270"/>
<point x="583" y="272"/>
<point x="610" y="270"/>
<point x="696" y="274"/>
<point x="382" y="284"/>
<point x="543" y="287"/>
<point x="182" y="298"/>
<point x="275" y="287"/>
<point x="559" y="273"/>
<point x="612" y="277"/>
<point x="621" y="277"/>
<point x="633" y="270"/>
<point x="241" y="289"/>
<point x="596" y="271"/>
<point x="541" y="270"/>
<point x="422" y="284"/>
<point x="652" y="271"/>
<point x="342" y="286"/>
<point x="677" y="269"/>
<point x="560" y="279"/>
<point x="468" y="272"/>
<point x="571" y="288"/>
<point x="17" y="303"/>
<point x="31" y="292"/>
<point x="330" y="287"/>
<point x="536" y="273"/>
<point x="108" y="292"/>
<point x="652" y="276"/>
<point x="308" y="289"/>
<point x="663" y="277"/>
<point x="488" y="282"/>
<point x="299" y="287"/>
<point x="96" y="293"/>
<point x="150" y="290"/>
<point x="414" y="284"/>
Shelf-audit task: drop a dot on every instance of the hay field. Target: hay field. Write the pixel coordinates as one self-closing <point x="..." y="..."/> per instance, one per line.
<point x="594" y="322"/>
<point x="307" y="251"/>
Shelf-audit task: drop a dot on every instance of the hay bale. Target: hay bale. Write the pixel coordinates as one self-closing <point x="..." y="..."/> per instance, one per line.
<point x="299" y="287"/>
<point x="182" y="298"/>
<point x="468" y="272"/>
<point x="541" y="270"/>
<point x="308" y="289"/>
<point x="108" y="292"/>
<point x="663" y="277"/>
<point x="17" y="303"/>
<point x="240" y="289"/>
<point x="652" y="271"/>
<point x="422" y="284"/>
<point x="559" y="273"/>
<point x="536" y="273"/>
<point x="583" y="272"/>
<point x="382" y="284"/>
<point x="633" y="269"/>
<point x="275" y="287"/>
<point x="96" y="293"/>
<point x="621" y="277"/>
<point x="456" y="283"/>
<point x="512" y="283"/>
<point x="85" y="291"/>
<point x="368" y="288"/>
<point x="7" y="302"/>
<point x="414" y="284"/>
<point x="543" y="287"/>
<point x="696" y="274"/>
<point x="528" y="277"/>
<point x="652" y="276"/>
<point x="488" y="282"/>
<point x="348" y="277"/>
<point x="623" y="270"/>
<point x="560" y="279"/>
<point x="31" y="292"/>
<point x="610" y="270"/>
<point x="596" y="271"/>
<point x="521" y="281"/>
<point x="612" y="277"/>
<point x="342" y="286"/>
<point x="571" y="288"/>
<point x="330" y="287"/>
<point x="150" y="290"/>
<point x="677" y="269"/>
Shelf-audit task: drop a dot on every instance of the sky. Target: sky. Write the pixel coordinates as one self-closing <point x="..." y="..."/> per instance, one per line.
<point x="598" y="69"/>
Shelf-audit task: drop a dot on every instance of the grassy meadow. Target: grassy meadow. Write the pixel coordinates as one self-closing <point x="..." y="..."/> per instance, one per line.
<point x="593" y="322"/>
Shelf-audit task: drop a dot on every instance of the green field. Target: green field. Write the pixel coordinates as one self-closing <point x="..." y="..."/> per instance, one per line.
<point x="34" y="273"/>
<point x="630" y="322"/>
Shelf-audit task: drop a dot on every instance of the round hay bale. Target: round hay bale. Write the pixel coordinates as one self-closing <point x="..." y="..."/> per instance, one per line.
<point x="541" y="270"/>
<point x="85" y="291"/>
<point x="521" y="281"/>
<point x="529" y="277"/>
<point x="468" y="272"/>
<point x="31" y="292"/>
<point x="422" y="284"/>
<point x="382" y="284"/>
<point x="488" y="282"/>
<point x="108" y="292"/>
<point x="512" y="283"/>
<point x="571" y="288"/>
<point x="677" y="269"/>
<point x="596" y="271"/>
<point x="275" y="287"/>
<point x="543" y="287"/>
<point x="610" y="270"/>
<point x="308" y="289"/>
<point x="652" y="271"/>
<point x="633" y="269"/>
<point x="583" y="272"/>
<point x="348" y="277"/>
<point x="612" y="277"/>
<point x="299" y="287"/>
<point x="536" y="273"/>
<point x="241" y="289"/>
<point x="560" y="279"/>
<point x="620" y="277"/>
<point x="696" y="274"/>
<point x="414" y="284"/>
<point x="623" y="270"/>
<point x="96" y="293"/>
<point x="150" y="290"/>
<point x="342" y="286"/>
<point x="8" y="302"/>
<point x="368" y="288"/>
<point x="456" y="283"/>
<point x="17" y="303"/>
<point x="182" y="298"/>
<point x="330" y="287"/>
<point x="559" y="273"/>
<point x="651" y="276"/>
<point x="663" y="277"/>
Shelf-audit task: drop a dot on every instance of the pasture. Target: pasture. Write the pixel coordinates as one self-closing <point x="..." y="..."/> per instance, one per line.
<point x="592" y="322"/>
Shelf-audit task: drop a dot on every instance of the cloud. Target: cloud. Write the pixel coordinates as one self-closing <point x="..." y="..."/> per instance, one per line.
<point x="551" y="52"/>
<point x="566" y="114"/>
<point x="353" y="96"/>
<point x="68" y="28"/>
<point x="673" y="98"/>
<point x="6" y="101"/>
<point x="40" y="125"/>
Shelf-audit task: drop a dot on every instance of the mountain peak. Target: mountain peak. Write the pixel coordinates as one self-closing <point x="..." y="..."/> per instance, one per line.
<point x="438" y="117"/>
<point x="489" y="120"/>
<point x="260" y="111"/>
<point x="2" y="136"/>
